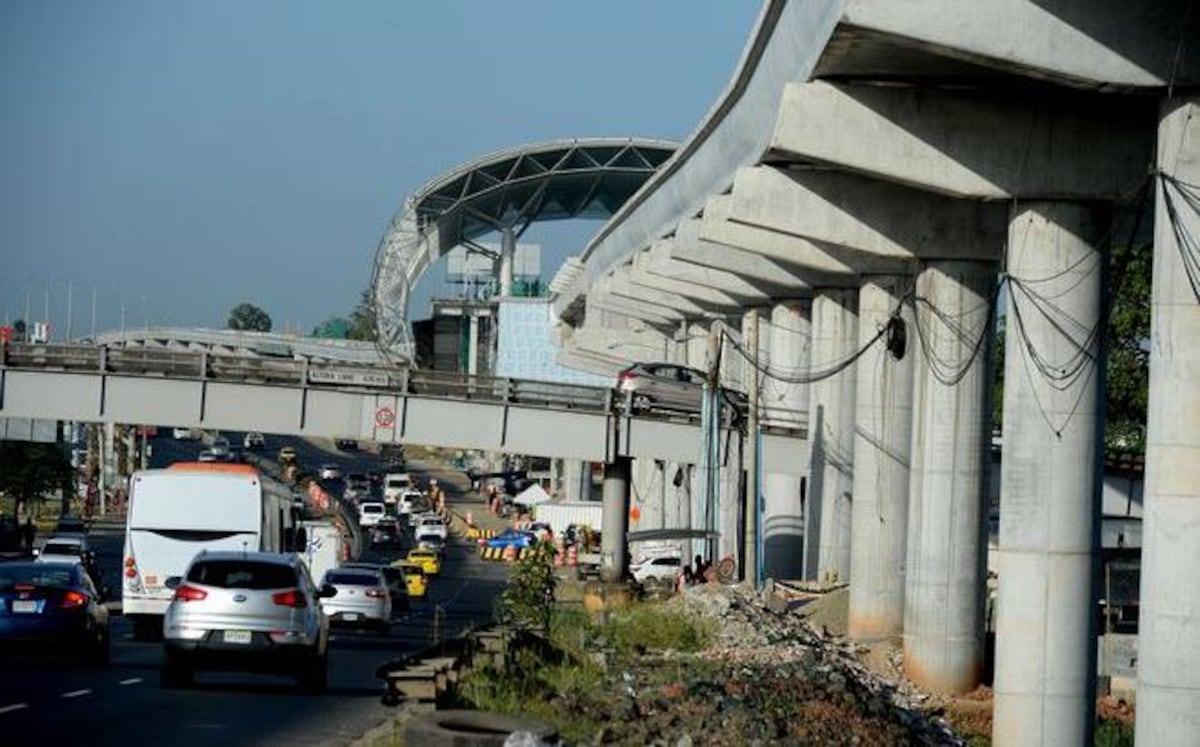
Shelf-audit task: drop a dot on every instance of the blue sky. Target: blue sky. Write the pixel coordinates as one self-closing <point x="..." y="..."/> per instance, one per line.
<point x="183" y="157"/>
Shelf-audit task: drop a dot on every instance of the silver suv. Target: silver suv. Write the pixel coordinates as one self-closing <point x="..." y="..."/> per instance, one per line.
<point x="362" y="598"/>
<point x="247" y="612"/>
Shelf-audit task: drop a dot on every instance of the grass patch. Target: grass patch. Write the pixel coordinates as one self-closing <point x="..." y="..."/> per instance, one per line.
<point x="566" y="689"/>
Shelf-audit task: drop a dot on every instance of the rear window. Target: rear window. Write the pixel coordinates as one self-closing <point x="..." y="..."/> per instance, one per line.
<point x="242" y="574"/>
<point x="60" y="548"/>
<point x="347" y="578"/>
<point x="372" y="508"/>
<point x="45" y="575"/>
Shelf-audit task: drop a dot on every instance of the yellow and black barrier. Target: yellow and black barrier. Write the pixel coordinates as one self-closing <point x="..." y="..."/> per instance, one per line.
<point x="474" y="533"/>
<point x="505" y="553"/>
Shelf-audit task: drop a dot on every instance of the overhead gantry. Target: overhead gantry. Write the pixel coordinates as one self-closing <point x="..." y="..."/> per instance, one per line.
<point x="863" y="180"/>
<point x="503" y="193"/>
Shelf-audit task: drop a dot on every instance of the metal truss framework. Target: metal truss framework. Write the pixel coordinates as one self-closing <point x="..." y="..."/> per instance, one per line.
<point x="504" y="191"/>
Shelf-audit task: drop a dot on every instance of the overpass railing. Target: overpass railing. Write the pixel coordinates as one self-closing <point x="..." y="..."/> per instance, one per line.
<point x="235" y="368"/>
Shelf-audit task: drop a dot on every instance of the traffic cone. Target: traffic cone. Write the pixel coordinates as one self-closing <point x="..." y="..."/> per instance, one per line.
<point x="573" y="556"/>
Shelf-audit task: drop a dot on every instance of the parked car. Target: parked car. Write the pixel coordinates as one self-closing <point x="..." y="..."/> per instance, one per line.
<point x="663" y="568"/>
<point x="330" y="472"/>
<point x="253" y="441"/>
<point x="52" y="608"/>
<point x="396" y="584"/>
<point x="345" y="444"/>
<point x="414" y="577"/>
<point x="246" y="612"/>
<point x="362" y="599"/>
<point x="370" y="512"/>
<point x="386" y="531"/>
<point x="427" y="559"/>
<point x="672" y="387"/>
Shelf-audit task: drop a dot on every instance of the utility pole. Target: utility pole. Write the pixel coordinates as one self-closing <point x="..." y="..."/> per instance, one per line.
<point x="750" y="550"/>
<point x="70" y="307"/>
<point x="93" y="313"/>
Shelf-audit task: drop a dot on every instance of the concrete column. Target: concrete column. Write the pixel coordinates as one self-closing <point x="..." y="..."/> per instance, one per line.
<point x="508" y="250"/>
<point x="1045" y="650"/>
<point x="646" y="495"/>
<point x="834" y="339"/>
<point x="883" y="431"/>
<point x="473" y="346"/>
<point x="729" y="498"/>
<point x="578" y="480"/>
<point x="1168" y="698"/>
<point x="785" y="404"/>
<point x="945" y="567"/>
<point x="614" y="560"/>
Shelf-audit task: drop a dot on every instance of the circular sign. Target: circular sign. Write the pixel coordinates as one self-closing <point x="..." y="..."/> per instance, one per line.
<point x="385" y="417"/>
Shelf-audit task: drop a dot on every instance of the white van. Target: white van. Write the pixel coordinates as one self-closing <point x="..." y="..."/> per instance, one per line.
<point x="175" y="513"/>
<point x="370" y="512"/>
<point x="395" y="483"/>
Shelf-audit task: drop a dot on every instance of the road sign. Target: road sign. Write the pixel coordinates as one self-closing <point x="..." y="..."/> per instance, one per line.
<point x="385" y="417"/>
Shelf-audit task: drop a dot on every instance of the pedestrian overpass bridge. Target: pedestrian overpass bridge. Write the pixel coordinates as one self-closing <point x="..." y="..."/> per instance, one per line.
<point x="391" y="405"/>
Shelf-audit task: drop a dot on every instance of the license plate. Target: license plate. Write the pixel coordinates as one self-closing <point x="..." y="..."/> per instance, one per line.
<point x="237" y="636"/>
<point x="152" y="581"/>
<point x="350" y="616"/>
<point x="25" y="605"/>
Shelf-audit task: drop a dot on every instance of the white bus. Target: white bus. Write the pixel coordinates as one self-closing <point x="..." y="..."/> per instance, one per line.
<point x="177" y="512"/>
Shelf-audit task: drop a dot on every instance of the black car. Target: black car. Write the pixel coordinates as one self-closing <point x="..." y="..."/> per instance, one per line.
<point x="386" y="531"/>
<point x="54" y="607"/>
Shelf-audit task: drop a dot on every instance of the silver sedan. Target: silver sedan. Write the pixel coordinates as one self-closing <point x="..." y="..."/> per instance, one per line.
<point x="362" y="599"/>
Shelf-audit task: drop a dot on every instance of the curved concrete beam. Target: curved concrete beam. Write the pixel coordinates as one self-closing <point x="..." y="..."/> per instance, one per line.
<point x="868" y="215"/>
<point x="820" y="257"/>
<point x="993" y="146"/>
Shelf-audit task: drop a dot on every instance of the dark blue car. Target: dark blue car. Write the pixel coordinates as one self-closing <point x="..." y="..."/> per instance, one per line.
<point x="512" y="538"/>
<point x="53" y="607"/>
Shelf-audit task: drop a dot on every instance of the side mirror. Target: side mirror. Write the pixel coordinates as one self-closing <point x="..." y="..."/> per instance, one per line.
<point x="173" y="582"/>
<point x="326" y="591"/>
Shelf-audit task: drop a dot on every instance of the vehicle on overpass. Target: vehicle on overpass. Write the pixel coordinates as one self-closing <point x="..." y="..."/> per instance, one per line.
<point x="54" y="606"/>
<point x="246" y="612"/>
<point x="178" y="512"/>
<point x="672" y="387"/>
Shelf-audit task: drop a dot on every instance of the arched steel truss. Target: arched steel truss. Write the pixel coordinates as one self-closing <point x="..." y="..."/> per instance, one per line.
<point x="508" y="190"/>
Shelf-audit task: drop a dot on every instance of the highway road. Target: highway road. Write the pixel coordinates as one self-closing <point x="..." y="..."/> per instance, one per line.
<point x="61" y="703"/>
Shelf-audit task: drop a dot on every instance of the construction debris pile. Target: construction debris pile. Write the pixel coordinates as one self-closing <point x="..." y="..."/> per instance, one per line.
<point x="767" y="678"/>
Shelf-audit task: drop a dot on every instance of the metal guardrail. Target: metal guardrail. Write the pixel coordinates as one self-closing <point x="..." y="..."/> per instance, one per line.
<point x="232" y="368"/>
<point x="243" y="369"/>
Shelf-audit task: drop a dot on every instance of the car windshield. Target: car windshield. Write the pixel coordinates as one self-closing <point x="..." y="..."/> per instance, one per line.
<point x="241" y="574"/>
<point x="45" y="575"/>
<point x="349" y="578"/>
<point x="61" y="548"/>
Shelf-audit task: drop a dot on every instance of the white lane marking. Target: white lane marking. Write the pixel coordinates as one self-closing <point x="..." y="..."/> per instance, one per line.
<point x="77" y="693"/>
<point x="13" y="707"/>
<point x="131" y="681"/>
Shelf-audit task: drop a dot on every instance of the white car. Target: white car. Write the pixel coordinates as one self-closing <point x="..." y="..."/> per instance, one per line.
<point x="396" y="484"/>
<point x="220" y="448"/>
<point x="416" y="517"/>
<point x="331" y="472"/>
<point x="185" y="434"/>
<point x="63" y="549"/>
<point x="431" y="527"/>
<point x="408" y="501"/>
<point x="370" y="512"/>
<point x="253" y="440"/>
<point x="662" y="567"/>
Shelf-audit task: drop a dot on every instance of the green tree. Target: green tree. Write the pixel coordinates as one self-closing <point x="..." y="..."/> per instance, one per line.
<point x="362" y="319"/>
<point x="19" y="330"/>
<point x="30" y="470"/>
<point x="1128" y="368"/>
<point x="247" y="316"/>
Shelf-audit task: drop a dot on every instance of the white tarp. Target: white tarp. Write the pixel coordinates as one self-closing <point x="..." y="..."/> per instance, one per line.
<point x="534" y="495"/>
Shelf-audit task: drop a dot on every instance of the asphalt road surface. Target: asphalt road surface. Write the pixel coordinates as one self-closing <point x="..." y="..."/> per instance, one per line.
<point x="48" y="702"/>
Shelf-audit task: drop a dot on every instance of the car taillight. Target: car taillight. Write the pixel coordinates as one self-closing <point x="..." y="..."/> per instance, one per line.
<point x="130" y="567"/>
<point x="73" y="600"/>
<point x="189" y="594"/>
<point x="377" y="593"/>
<point x="627" y="380"/>
<point x="291" y="598"/>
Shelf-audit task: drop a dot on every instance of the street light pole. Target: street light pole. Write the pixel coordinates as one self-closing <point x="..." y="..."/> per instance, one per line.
<point x="750" y="550"/>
